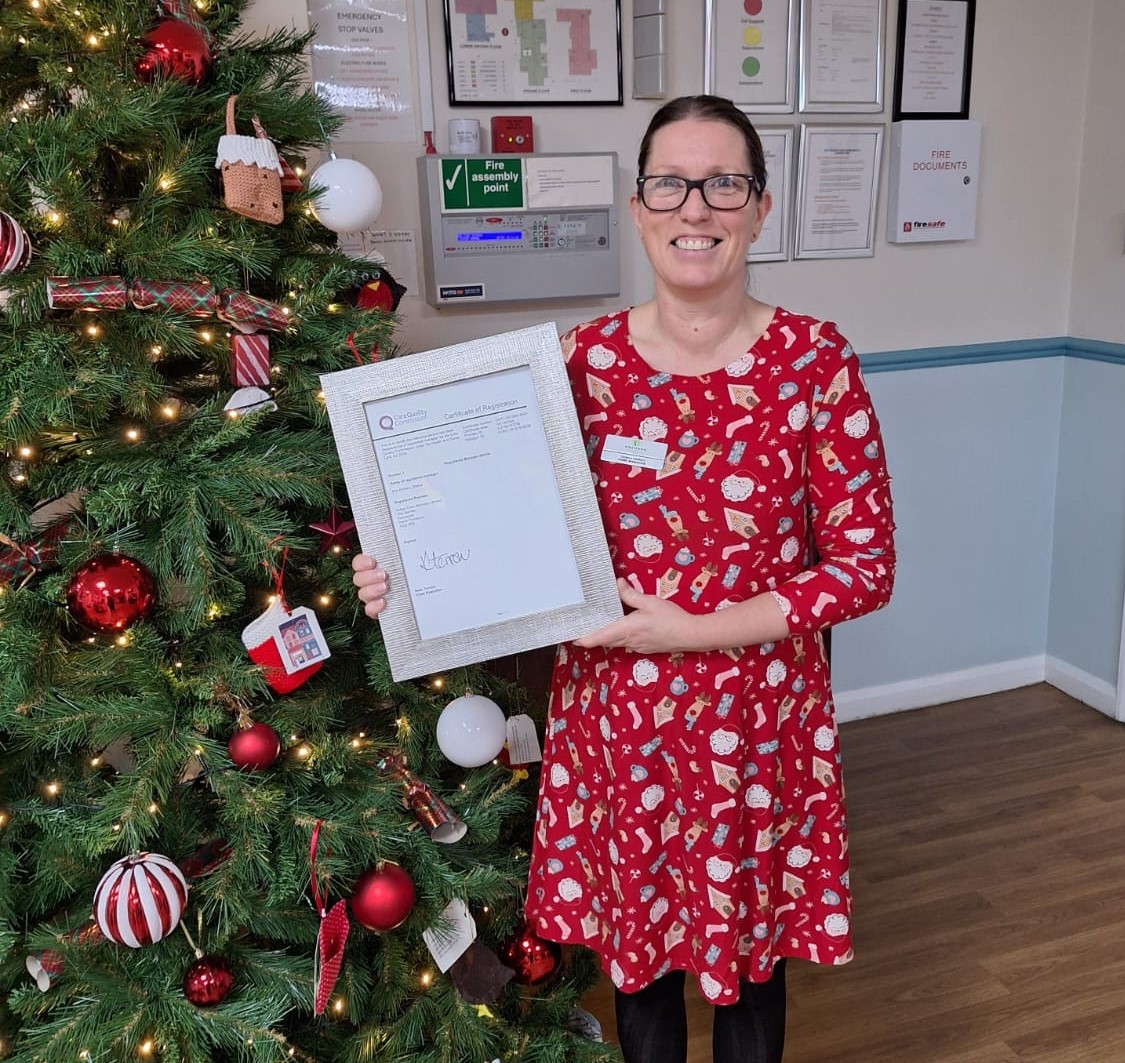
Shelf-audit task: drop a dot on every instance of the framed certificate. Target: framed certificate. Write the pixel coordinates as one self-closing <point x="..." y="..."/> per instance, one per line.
<point x="550" y="53"/>
<point x="934" y="61"/>
<point x="842" y="55"/>
<point x="750" y="52"/>
<point x="469" y="481"/>
<point x="772" y="244"/>
<point x="837" y="189"/>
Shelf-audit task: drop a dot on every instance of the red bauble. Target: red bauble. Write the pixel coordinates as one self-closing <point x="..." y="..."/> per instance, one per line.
<point x="110" y="592"/>
<point x="383" y="897"/>
<point x="532" y="958"/>
<point x="140" y="899"/>
<point x="208" y="981"/>
<point x="254" y="748"/>
<point x="15" y="247"/>
<point x="175" y="49"/>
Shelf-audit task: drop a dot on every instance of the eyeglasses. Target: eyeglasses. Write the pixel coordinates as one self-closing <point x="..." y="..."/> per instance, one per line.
<point x="723" y="191"/>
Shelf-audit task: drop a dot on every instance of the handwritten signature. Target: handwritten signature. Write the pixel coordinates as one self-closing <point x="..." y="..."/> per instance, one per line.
<point x="432" y="560"/>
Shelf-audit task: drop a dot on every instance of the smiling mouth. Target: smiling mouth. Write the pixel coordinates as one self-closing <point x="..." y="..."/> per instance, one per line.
<point x="694" y="243"/>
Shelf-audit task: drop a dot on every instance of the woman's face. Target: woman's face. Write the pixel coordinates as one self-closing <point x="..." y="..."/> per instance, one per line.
<point x="695" y="248"/>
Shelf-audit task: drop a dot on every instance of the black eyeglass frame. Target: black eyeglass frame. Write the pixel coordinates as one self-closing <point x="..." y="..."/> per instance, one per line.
<point x="756" y="185"/>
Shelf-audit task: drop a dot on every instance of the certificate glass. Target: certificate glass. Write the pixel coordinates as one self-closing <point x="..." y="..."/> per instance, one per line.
<point x="934" y="61"/>
<point x="772" y="244"/>
<point x="750" y="53"/>
<point x="837" y="188"/>
<point x="468" y="480"/>
<point x="842" y="55"/>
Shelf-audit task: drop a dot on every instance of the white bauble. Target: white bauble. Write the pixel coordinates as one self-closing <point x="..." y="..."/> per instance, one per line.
<point x="348" y="195"/>
<point x="471" y="730"/>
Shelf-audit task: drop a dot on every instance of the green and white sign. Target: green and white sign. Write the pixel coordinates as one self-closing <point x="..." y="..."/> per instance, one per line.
<point x="482" y="184"/>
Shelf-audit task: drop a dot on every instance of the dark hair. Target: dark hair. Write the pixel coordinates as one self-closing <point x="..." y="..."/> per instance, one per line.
<point x="707" y="109"/>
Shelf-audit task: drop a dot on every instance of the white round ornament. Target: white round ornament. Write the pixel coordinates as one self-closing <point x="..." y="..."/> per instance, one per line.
<point x="140" y="899"/>
<point x="349" y="196"/>
<point x="471" y="730"/>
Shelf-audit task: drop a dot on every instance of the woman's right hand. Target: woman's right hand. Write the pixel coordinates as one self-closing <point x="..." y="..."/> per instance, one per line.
<point x="372" y="583"/>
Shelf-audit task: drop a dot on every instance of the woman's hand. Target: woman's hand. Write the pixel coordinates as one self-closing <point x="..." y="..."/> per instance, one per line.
<point x="654" y="625"/>
<point x="372" y="583"/>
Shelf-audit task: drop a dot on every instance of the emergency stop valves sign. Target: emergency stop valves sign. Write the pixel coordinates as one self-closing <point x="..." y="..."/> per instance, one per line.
<point x="482" y="184"/>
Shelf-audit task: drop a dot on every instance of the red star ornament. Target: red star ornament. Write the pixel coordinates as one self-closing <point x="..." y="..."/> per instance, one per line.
<point x="335" y="534"/>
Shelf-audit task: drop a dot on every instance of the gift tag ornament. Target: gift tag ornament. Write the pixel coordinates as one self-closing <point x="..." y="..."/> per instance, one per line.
<point x="471" y="730"/>
<point x="140" y="899"/>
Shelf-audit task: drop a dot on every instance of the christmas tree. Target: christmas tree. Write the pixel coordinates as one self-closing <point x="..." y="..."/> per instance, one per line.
<point x="225" y="832"/>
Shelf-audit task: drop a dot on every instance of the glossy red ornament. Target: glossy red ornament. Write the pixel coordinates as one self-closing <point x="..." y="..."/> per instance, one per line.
<point x="254" y="748"/>
<point x="208" y="981"/>
<point x="532" y="958"/>
<point x="110" y="592"/>
<point x="140" y="899"/>
<point x="174" y="49"/>
<point x="383" y="897"/>
<point x="15" y="246"/>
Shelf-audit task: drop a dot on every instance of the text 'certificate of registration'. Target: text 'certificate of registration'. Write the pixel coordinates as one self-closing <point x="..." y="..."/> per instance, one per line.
<point x="473" y="549"/>
<point x="470" y="484"/>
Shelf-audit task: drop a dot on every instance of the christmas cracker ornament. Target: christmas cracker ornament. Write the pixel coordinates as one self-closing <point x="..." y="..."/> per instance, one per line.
<point x="440" y="821"/>
<point x="194" y="298"/>
<point x="87" y="293"/>
<point x="248" y="313"/>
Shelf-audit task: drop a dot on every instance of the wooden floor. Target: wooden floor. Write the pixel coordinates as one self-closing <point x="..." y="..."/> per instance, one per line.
<point x="988" y="855"/>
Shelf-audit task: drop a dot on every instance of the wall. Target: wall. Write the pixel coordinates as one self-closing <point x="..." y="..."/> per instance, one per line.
<point x="1097" y="308"/>
<point x="1011" y="282"/>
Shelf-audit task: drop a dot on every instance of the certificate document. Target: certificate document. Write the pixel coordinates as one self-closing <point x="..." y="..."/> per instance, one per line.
<point x="469" y="482"/>
<point x="472" y="548"/>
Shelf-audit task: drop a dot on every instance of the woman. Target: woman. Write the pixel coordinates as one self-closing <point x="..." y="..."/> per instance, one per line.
<point x="691" y="809"/>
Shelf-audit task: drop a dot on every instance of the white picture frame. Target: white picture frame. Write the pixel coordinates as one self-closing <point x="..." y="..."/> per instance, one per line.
<point x="469" y="482"/>
<point x="842" y="56"/>
<point x="774" y="240"/>
<point x="837" y="191"/>
<point x="750" y="53"/>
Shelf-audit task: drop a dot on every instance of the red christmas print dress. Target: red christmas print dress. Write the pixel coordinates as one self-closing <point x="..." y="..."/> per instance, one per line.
<point x="691" y="811"/>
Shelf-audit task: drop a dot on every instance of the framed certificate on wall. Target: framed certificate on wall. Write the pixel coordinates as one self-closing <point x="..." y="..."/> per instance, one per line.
<point x="934" y="60"/>
<point x="750" y="53"/>
<point x="842" y="55"/>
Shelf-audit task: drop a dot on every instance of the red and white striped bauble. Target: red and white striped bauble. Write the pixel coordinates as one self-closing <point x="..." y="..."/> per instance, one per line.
<point x="15" y="247"/>
<point x="140" y="899"/>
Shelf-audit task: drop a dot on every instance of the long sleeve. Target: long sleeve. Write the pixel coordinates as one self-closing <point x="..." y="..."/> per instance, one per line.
<point x="849" y="499"/>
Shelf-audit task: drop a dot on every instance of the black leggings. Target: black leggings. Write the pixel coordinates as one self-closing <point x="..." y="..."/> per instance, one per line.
<point x="652" y="1024"/>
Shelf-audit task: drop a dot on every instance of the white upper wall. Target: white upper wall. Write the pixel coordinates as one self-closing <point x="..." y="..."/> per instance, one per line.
<point x="1013" y="281"/>
<point x="1097" y="309"/>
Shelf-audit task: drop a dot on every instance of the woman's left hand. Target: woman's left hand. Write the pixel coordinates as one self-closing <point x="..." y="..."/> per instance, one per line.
<point x="654" y="625"/>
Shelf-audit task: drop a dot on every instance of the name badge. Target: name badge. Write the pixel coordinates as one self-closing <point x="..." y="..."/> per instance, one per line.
<point x="640" y="453"/>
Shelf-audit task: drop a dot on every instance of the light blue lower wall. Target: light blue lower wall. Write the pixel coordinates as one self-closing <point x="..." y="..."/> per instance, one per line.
<point x="1009" y="483"/>
<point x="1088" y="573"/>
